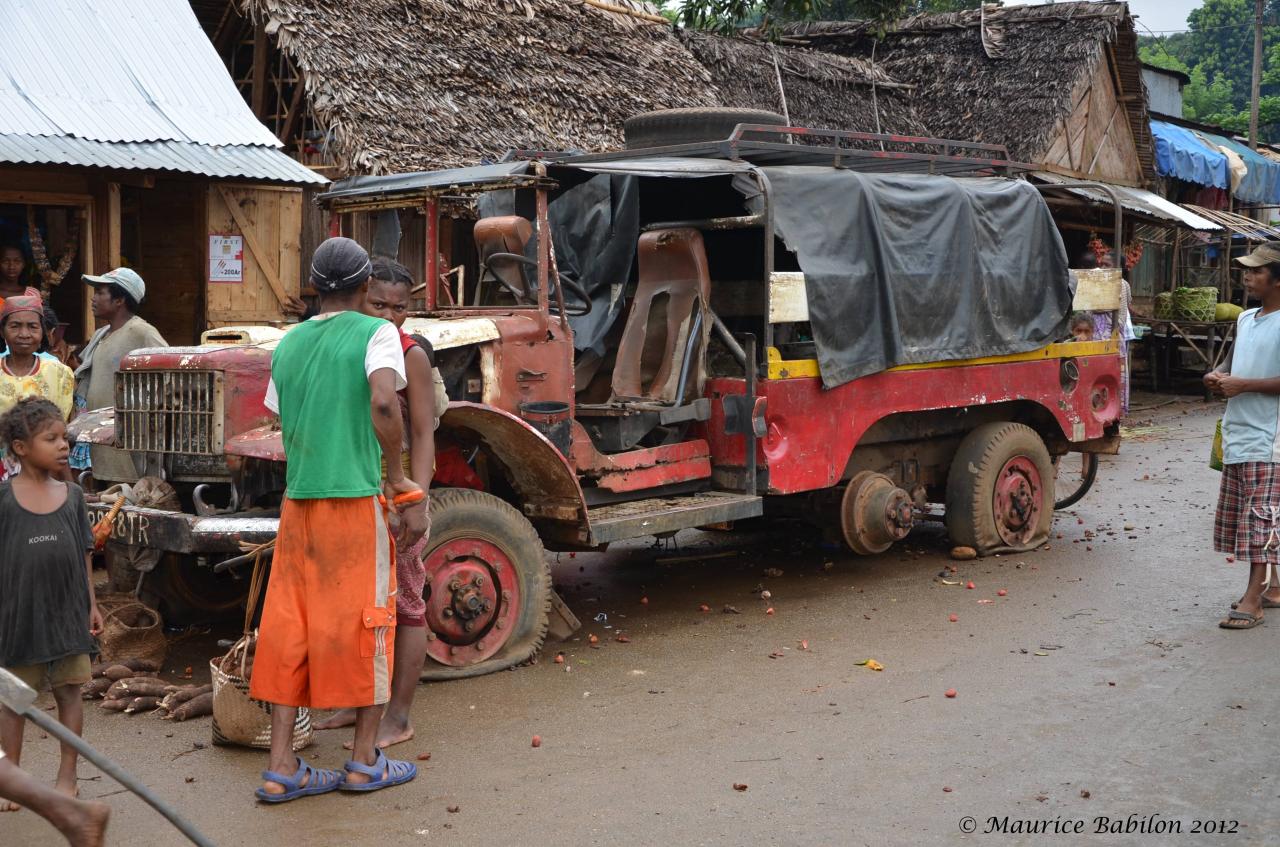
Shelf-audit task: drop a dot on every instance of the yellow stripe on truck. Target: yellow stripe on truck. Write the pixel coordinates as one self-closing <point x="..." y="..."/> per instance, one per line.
<point x="780" y="368"/>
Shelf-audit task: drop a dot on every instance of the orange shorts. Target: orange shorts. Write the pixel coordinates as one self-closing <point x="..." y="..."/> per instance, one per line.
<point x="328" y="624"/>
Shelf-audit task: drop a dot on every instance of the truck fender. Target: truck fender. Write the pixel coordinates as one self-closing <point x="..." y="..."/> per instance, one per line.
<point x="97" y="426"/>
<point x="542" y="477"/>
<point x="264" y="442"/>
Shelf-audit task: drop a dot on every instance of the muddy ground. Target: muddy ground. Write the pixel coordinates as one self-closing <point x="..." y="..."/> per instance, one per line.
<point x="1099" y="686"/>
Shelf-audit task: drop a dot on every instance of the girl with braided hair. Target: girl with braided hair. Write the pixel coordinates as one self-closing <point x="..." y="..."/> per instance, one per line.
<point x="48" y="612"/>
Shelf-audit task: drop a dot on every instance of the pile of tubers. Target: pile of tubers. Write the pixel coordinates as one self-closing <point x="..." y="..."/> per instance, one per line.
<point x="133" y="686"/>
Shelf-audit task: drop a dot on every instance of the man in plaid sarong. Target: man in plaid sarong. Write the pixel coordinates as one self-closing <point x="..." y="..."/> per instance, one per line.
<point x="1247" y="523"/>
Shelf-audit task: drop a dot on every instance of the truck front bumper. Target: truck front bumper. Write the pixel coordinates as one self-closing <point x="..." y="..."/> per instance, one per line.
<point x="178" y="532"/>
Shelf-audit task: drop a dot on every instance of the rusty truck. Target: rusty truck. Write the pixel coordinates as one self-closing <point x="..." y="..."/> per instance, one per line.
<point x="654" y="340"/>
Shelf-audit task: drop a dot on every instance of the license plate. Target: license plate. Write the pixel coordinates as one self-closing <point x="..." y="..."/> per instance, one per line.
<point x="130" y="528"/>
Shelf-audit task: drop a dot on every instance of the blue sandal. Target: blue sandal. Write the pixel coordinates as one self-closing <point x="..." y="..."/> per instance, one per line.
<point x="397" y="772"/>
<point x="320" y="781"/>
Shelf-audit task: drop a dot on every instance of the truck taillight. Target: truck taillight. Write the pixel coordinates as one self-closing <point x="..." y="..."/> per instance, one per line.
<point x="1104" y="399"/>
<point x="170" y="411"/>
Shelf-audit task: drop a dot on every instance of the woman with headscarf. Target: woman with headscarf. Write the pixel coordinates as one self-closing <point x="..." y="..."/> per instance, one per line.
<point x="24" y="373"/>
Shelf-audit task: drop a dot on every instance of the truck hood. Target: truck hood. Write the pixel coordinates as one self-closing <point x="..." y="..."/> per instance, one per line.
<point x="443" y="333"/>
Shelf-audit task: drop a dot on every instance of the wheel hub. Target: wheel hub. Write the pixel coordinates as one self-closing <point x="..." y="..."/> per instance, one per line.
<point x="1018" y="496"/>
<point x="473" y="599"/>
<point x="875" y="513"/>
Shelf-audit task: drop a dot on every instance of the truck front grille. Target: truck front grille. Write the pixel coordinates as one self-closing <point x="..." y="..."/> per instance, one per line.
<point x="169" y="411"/>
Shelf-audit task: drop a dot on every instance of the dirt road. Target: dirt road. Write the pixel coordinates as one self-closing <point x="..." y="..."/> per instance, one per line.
<point x="1098" y="687"/>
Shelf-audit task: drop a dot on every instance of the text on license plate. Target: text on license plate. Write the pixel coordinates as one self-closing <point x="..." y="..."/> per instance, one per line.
<point x="130" y="528"/>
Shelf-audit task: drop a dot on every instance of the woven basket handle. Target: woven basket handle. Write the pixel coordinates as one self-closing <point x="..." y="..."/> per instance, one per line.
<point x="256" y="583"/>
<point x="118" y="609"/>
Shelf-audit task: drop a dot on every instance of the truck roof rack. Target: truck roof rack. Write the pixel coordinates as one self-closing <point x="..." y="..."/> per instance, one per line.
<point x="762" y="144"/>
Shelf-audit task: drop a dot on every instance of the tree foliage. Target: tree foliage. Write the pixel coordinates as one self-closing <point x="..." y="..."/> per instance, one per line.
<point x="1217" y="53"/>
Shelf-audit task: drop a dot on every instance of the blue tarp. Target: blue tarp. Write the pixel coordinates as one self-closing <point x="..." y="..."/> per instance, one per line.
<point x="1180" y="154"/>
<point x="1262" y="183"/>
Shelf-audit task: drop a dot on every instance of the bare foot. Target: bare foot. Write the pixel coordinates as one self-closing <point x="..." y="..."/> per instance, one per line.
<point x="68" y="789"/>
<point x="6" y="806"/>
<point x="387" y="736"/>
<point x="339" y="719"/>
<point x="87" y="825"/>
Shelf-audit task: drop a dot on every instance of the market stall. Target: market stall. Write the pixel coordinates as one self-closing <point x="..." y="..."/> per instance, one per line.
<point x="1192" y="322"/>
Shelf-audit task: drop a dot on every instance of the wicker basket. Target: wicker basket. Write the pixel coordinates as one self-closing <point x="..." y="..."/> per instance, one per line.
<point x="1163" y="309"/>
<point x="132" y="630"/>
<point x="1195" y="304"/>
<point x="237" y="717"/>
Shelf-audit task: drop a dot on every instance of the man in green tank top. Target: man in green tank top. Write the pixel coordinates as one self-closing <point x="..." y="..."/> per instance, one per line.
<point x="327" y="632"/>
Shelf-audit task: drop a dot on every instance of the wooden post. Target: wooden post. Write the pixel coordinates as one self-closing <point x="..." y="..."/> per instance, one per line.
<point x="431" y="250"/>
<point x="113" y="225"/>
<point x="87" y="262"/>
<point x="293" y="122"/>
<point x="258" y="92"/>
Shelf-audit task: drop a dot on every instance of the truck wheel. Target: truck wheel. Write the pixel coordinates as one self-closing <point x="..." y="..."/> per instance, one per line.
<point x="488" y="588"/>
<point x="1000" y="490"/>
<point x="186" y="593"/>
<point x="689" y="126"/>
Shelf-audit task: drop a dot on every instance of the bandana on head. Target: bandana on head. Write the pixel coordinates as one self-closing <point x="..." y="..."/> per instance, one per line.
<point x="28" y="301"/>
<point x="339" y="264"/>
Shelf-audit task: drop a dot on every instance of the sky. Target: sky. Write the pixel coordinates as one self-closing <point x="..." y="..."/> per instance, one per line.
<point x="1158" y="15"/>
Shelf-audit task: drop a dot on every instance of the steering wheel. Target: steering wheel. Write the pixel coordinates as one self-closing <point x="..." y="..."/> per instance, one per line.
<point x="522" y="297"/>
<point x="572" y="287"/>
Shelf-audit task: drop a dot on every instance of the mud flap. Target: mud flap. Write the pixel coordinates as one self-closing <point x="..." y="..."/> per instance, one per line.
<point x="563" y="623"/>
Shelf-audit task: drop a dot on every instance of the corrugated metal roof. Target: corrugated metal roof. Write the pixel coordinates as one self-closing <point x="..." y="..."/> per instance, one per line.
<point x="1135" y="200"/>
<point x="233" y="161"/>
<point x="115" y="75"/>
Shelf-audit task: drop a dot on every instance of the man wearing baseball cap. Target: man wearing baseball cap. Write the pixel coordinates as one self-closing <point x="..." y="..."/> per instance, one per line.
<point x="116" y="295"/>
<point x="1247" y="523"/>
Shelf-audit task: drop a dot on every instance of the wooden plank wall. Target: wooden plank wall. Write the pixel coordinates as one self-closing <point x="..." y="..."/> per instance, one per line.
<point x="171" y="258"/>
<point x="272" y="253"/>
<point x="315" y="229"/>
<point x="1095" y="141"/>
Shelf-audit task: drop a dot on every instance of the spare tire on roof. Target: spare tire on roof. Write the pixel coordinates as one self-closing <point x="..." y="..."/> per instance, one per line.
<point x="690" y="126"/>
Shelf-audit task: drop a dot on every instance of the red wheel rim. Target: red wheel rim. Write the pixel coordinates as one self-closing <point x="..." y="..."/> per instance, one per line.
<point x="473" y="601"/>
<point x="1018" y="495"/>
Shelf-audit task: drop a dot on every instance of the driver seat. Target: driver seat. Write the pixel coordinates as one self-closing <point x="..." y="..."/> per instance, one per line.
<point x="670" y="304"/>
<point x="505" y="234"/>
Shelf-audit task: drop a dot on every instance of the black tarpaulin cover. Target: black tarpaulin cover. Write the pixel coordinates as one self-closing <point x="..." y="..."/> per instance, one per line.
<point x="904" y="269"/>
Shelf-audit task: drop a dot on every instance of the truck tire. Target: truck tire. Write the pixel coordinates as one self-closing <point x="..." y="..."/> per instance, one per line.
<point x="1000" y="490"/>
<point x="689" y="126"/>
<point x="186" y="593"/>
<point x="476" y="534"/>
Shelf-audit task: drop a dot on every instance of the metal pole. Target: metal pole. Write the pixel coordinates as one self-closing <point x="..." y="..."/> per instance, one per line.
<point x="432" y="258"/>
<point x="19" y="698"/>
<point x="1257" y="74"/>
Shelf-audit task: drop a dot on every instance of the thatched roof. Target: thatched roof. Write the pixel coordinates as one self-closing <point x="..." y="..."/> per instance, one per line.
<point x="417" y="84"/>
<point x="821" y="89"/>
<point x="405" y="85"/>
<point x="1005" y="75"/>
